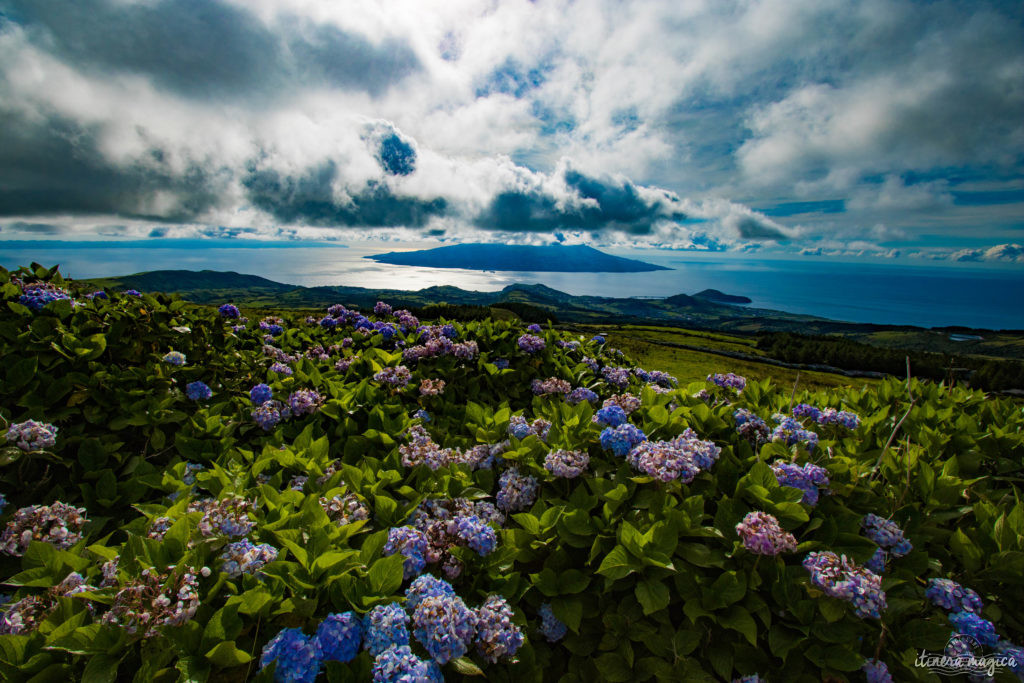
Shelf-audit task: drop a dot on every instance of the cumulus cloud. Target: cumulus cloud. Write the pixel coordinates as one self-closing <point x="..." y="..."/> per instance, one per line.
<point x="659" y="123"/>
<point x="1011" y="253"/>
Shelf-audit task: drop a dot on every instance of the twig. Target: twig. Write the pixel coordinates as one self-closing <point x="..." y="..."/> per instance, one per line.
<point x="792" y="397"/>
<point x="895" y="429"/>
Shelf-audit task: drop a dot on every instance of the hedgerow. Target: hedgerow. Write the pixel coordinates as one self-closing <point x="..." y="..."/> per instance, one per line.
<point x="193" y="495"/>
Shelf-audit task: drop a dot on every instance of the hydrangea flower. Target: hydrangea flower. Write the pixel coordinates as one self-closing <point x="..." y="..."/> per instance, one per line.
<point x="620" y="440"/>
<point x="496" y="635"/>
<point x="809" y="478"/>
<point x="516" y="491"/>
<point x="444" y="626"/>
<point x="534" y="328"/>
<point x="616" y="376"/>
<point x="876" y="562"/>
<point x="628" y="402"/>
<point x="791" y="433"/>
<point x="381" y="309"/>
<point x="32" y="436"/>
<point x="228" y="517"/>
<point x="597" y="339"/>
<point x="474" y="532"/>
<point x="242" y="557"/>
<point x="345" y="509"/>
<point x="260" y="394"/>
<point x="551" y="627"/>
<point x="385" y="626"/>
<point x="295" y="654"/>
<point x="412" y="544"/>
<point x="612" y="415"/>
<point x="530" y="344"/>
<point x="398" y="664"/>
<point x="501" y="363"/>
<point x="132" y="292"/>
<point x="338" y="637"/>
<point x="38" y="294"/>
<point x="426" y="586"/>
<point x="806" y="410"/>
<point x="398" y="376"/>
<point x="566" y="464"/>
<point x="681" y="458"/>
<point x="174" y="358"/>
<point x="304" y="401"/>
<point x="969" y="623"/>
<point x="728" y="381"/>
<point x="3" y="502"/>
<point x="268" y="414"/>
<point x="886" y="534"/>
<point x="841" y="578"/>
<point x="229" y="311"/>
<point x="843" y="418"/>
<point x="198" y="391"/>
<point x="952" y="597"/>
<point x="422" y="414"/>
<point x="281" y="369"/>
<point x="59" y="525"/>
<point x="98" y="294"/>
<point x="431" y="387"/>
<point x="751" y="427"/>
<point x="581" y="394"/>
<point x="137" y="611"/>
<point x="876" y="671"/>
<point x="762" y="535"/>
<point x="552" y="385"/>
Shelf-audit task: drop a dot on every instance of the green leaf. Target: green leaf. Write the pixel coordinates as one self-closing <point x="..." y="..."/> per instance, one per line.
<point x="386" y="574"/>
<point x="224" y="625"/>
<point x="738" y="619"/>
<point x="613" y="667"/>
<point x="226" y="655"/>
<point x="21" y="371"/>
<point x="466" y="667"/>
<point x="616" y="564"/>
<point x="653" y="595"/>
<point x="101" y="669"/>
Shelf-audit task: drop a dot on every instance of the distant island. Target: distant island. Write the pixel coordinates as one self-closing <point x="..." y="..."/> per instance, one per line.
<point x="554" y="259"/>
<point x="721" y="297"/>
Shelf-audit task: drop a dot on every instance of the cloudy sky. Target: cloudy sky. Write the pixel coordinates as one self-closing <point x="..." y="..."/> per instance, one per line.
<point x="816" y="127"/>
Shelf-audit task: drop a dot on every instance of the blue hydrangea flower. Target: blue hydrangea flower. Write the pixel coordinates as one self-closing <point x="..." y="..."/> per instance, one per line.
<point x="444" y="626"/>
<point x="229" y="311"/>
<point x="519" y="427"/>
<point x="198" y="391"/>
<point x="876" y="671"/>
<point x="534" y="327"/>
<point x="450" y="331"/>
<point x="886" y="534"/>
<point x="969" y="623"/>
<point x="612" y="415"/>
<point x="581" y="394"/>
<point x="295" y="655"/>
<point x="98" y="294"/>
<point x="3" y="504"/>
<point x="516" y="491"/>
<point x="877" y="561"/>
<point x="422" y="415"/>
<point x="806" y="410"/>
<point x="501" y="363"/>
<point x="243" y="557"/>
<point x="132" y="292"/>
<point x="398" y="664"/>
<point x="474" y="532"/>
<point x="598" y="339"/>
<point x="531" y="344"/>
<point x="338" y="637"/>
<point x="953" y="597"/>
<point x="412" y="544"/>
<point x="620" y="440"/>
<point x="426" y="586"/>
<point x="841" y="578"/>
<point x="260" y="394"/>
<point x="566" y="464"/>
<point x="385" y="626"/>
<point x="551" y="627"/>
<point x="174" y="358"/>
<point x="809" y="478"/>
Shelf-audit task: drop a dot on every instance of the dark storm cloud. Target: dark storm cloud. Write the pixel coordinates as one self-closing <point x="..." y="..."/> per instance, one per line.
<point x="309" y="198"/>
<point x="751" y="228"/>
<point x="210" y="49"/>
<point x="55" y="166"/>
<point x="612" y="204"/>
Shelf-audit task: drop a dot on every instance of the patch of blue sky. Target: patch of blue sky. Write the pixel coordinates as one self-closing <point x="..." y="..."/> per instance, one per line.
<point x="988" y="197"/>
<point x="798" y="208"/>
<point x="512" y="78"/>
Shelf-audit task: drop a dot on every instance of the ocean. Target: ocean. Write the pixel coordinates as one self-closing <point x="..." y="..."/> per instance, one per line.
<point x="889" y="293"/>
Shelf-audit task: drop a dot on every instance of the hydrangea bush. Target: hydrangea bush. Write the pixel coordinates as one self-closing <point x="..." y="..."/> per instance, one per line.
<point x="563" y="514"/>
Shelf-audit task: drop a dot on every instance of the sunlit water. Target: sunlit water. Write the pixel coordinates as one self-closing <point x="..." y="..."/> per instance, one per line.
<point x="878" y="293"/>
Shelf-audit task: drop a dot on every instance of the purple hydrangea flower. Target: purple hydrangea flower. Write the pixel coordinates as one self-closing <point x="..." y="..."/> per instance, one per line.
<point x="531" y="344"/>
<point x="843" y="418"/>
<point x="876" y="562"/>
<point x="501" y="363"/>
<point x="295" y="655"/>
<point x="552" y="385"/>
<point x="268" y="414"/>
<point x="229" y="311"/>
<point x="132" y="292"/>
<point x="516" y="491"/>
<point x="762" y="535"/>
<point x="32" y="436"/>
<point x="729" y="381"/>
<point x="566" y="464"/>
<point x="242" y="557"/>
<point x="98" y="294"/>
<point x="581" y="394"/>
<point x="444" y="626"/>
<point x="198" y="391"/>
<point x="304" y="401"/>
<point x="381" y="309"/>
<point x="681" y="458"/>
<point x="398" y="376"/>
<point x="841" y="578"/>
<point x="534" y="328"/>
<point x="426" y="586"/>
<point x="751" y="427"/>
<point x="618" y="377"/>
<point x="876" y="671"/>
<point x="806" y="410"/>
<point x="338" y="637"/>
<point x="398" y="664"/>
<point x="496" y="635"/>
<point x="809" y="478"/>
<point x="474" y="532"/>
